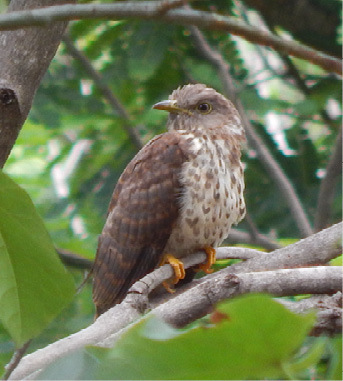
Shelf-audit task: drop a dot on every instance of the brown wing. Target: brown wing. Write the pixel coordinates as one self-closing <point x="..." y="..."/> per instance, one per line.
<point x="142" y="212"/>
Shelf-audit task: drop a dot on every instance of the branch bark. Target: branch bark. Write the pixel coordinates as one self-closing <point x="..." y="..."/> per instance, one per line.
<point x="25" y="55"/>
<point x="199" y="300"/>
<point x="157" y="10"/>
<point x="318" y="249"/>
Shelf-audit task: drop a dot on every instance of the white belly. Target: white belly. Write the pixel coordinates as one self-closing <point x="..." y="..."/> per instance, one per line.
<point x="212" y="200"/>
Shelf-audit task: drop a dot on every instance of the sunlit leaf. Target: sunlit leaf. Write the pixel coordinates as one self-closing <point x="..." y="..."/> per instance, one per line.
<point x="34" y="285"/>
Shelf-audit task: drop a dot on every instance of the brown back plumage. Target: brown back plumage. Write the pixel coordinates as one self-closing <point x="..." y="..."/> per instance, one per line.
<point x="141" y="215"/>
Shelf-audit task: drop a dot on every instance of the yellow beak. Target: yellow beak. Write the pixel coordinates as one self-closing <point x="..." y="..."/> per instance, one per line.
<point x="168" y="105"/>
<point x="171" y="106"/>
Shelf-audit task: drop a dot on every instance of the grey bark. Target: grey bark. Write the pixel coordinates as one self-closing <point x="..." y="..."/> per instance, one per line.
<point x="25" y="55"/>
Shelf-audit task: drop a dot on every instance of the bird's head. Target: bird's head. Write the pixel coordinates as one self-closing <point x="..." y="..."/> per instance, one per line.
<point x="200" y="108"/>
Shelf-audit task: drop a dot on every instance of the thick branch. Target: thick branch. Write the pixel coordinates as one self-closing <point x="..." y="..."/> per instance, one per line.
<point x="107" y="93"/>
<point x="113" y="321"/>
<point x="318" y="249"/>
<point x="268" y="161"/>
<point x="199" y="300"/>
<point x="24" y="58"/>
<point x="156" y="10"/>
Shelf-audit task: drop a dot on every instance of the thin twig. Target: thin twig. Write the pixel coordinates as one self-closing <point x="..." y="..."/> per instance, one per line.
<point x="264" y="155"/>
<point x="253" y="231"/>
<point x="327" y="188"/>
<point x="74" y="260"/>
<point x="107" y="93"/>
<point x="17" y="356"/>
<point x="152" y="10"/>
<point x="236" y="236"/>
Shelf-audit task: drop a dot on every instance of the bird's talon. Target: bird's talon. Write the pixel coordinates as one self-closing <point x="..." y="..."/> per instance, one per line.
<point x="179" y="270"/>
<point x="211" y="259"/>
<point x="205" y="269"/>
<point x="168" y="288"/>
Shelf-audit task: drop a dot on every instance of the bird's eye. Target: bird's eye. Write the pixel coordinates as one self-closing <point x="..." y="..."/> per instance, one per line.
<point x="204" y="108"/>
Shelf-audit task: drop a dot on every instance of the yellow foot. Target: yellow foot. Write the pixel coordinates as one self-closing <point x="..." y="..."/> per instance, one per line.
<point x="211" y="259"/>
<point x="179" y="270"/>
<point x="166" y="285"/>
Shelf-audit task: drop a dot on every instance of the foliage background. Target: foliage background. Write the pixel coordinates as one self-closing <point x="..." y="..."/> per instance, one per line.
<point x="75" y="143"/>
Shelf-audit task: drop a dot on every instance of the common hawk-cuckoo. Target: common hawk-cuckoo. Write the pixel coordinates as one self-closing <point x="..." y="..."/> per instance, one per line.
<point x="181" y="193"/>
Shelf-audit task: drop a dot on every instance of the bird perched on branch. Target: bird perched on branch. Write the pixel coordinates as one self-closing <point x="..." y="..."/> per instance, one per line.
<point x="180" y="194"/>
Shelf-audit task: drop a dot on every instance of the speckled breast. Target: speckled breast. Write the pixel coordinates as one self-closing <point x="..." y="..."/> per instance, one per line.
<point x="212" y="195"/>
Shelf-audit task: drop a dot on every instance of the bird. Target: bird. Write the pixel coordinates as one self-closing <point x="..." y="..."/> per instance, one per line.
<point x="181" y="193"/>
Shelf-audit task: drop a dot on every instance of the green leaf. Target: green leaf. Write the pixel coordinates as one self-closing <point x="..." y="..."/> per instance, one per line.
<point x="337" y="261"/>
<point x="148" y="46"/>
<point x="3" y="6"/>
<point x="34" y="285"/>
<point x="335" y="367"/>
<point x="307" y="360"/>
<point x="254" y="339"/>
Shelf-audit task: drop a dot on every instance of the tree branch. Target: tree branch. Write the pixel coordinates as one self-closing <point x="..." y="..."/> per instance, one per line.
<point x="148" y="283"/>
<point x="237" y="236"/>
<point x="329" y="315"/>
<point x="114" y="320"/>
<point x="74" y="260"/>
<point x="107" y="93"/>
<point x="268" y="161"/>
<point x="318" y="249"/>
<point x="315" y="250"/>
<point x="24" y="58"/>
<point x="208" y="290"/>
<point x="199" y="300"/>
<point x="17" y="356"/>
<point x="156" y="10"/>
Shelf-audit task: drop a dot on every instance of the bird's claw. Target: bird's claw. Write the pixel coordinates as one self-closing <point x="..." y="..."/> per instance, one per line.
<point x="179" y="270"/>
<point x="211" y="259"/>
